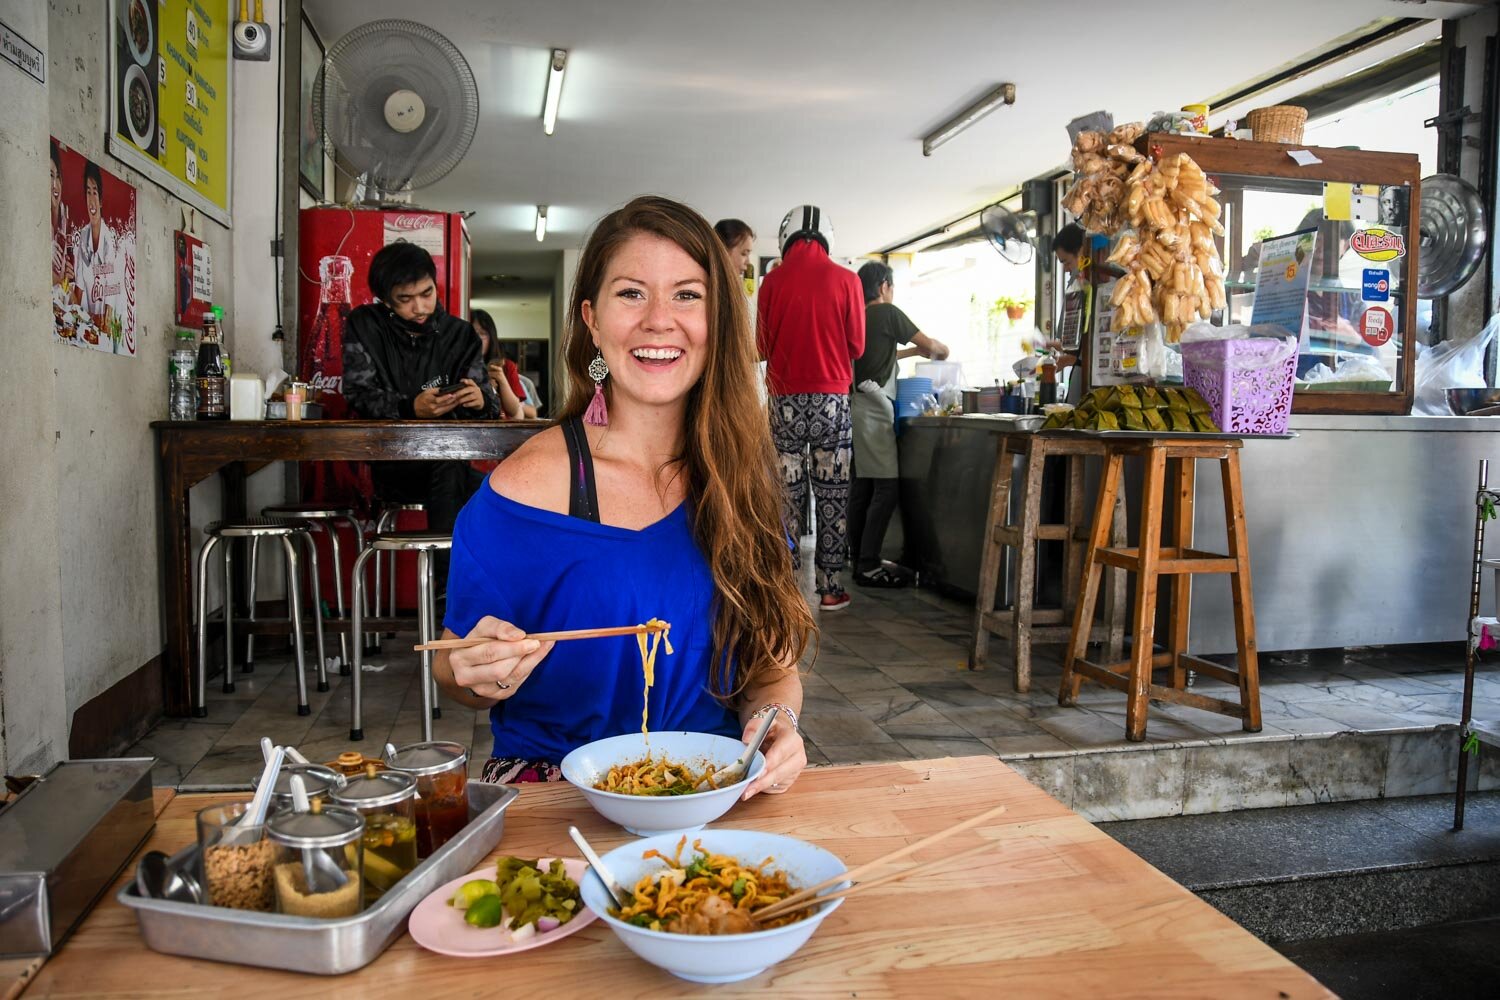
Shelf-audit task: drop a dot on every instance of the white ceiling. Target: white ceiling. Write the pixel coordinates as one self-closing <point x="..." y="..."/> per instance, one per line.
<point x="748" y="107"/>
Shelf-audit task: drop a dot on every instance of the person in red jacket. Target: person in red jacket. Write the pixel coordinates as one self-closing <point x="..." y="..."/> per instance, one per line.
<point x="810" y="326"/>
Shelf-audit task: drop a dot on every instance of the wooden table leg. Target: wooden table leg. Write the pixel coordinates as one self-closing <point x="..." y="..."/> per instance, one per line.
<point x="1137" y="702"/>
<point x="1073" y="515"/>
<point x="177" y="583"/>
<point x="1240" y="589"/>
<point x="990" y="559"/>
<point x="1182" y="584"/>
<point x="1026" y="558"/>
<point x="1083" y="613"/>
<point x="1115" y="592"/>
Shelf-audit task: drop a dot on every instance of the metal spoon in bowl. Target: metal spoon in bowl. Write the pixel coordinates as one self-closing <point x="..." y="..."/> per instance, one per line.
<point x="736" y="771"/>
<point x="619" y="895"/>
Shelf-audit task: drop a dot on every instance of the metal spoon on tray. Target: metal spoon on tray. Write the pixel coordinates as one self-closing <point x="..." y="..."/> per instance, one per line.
<point x="736" y="771"/>
<point x="157" y="878"/>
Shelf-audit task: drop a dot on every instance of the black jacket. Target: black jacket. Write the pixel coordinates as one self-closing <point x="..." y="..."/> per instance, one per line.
<point x="386" y="365"/>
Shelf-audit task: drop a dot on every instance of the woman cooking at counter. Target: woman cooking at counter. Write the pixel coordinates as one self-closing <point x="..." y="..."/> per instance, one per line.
<point x="657" y="496"/>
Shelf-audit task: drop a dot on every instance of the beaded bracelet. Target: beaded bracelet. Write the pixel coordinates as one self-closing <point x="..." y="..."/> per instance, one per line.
<point x="764" y="710"/>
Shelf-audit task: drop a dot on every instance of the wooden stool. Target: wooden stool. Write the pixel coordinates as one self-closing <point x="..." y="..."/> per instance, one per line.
<point x="1024" y="623"/>
<point x="1151" y="561"/>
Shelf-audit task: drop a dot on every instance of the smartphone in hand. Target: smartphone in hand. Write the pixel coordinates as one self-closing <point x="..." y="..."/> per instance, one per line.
<point x="449" y="388"/>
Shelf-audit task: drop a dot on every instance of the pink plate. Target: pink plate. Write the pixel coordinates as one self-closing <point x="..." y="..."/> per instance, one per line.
<point x="439" y="927"/>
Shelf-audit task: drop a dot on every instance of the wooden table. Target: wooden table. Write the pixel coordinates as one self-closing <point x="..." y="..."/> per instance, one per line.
<point x="1061" y="911"/>
<point x="188" y="452"/>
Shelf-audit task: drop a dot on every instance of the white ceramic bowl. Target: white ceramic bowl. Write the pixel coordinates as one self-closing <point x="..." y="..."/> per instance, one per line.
<point x="646" y="815"/>
<point x="730" y="957"/>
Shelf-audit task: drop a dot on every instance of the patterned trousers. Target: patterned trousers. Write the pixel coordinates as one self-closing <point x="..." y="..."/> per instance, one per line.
<point x="816" y="425"/>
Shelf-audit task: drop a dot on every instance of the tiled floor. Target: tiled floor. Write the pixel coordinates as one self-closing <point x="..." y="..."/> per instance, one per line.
<point x="888" y="683"/>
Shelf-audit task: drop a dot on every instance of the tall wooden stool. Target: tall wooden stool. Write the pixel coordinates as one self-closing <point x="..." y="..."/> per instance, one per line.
<point x="1149" y="562"/>
<point x="1024" y="623"/>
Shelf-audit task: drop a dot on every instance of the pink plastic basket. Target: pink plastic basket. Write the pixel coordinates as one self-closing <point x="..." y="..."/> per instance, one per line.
<point x="1248" y="390"/>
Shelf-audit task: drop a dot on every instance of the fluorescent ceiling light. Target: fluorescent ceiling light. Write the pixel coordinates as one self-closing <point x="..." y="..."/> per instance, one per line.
<point x="541" y="222"/>
<point x="554" y="90"/>
<point x="1001" y="95"/>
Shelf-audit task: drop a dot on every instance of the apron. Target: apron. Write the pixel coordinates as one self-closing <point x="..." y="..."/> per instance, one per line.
<point x="873" y="415"/>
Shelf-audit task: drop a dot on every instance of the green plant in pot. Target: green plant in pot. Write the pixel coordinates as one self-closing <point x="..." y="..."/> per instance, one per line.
<point x="1014" y="308"/>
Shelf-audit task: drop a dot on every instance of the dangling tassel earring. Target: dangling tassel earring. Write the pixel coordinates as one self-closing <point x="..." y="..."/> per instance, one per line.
<point x="597" y="414"/>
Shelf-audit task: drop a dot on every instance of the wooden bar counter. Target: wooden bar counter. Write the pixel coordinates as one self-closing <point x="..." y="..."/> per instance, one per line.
<point x="188" y="452"/>
<point x="1061" y="910"/>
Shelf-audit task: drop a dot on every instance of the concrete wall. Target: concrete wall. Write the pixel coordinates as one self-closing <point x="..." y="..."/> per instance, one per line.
<point x="79" y="596"/>
<point x="33" y="721"/>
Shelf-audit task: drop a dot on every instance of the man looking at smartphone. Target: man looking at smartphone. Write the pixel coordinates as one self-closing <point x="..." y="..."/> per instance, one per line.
<point x="406" y="358"/>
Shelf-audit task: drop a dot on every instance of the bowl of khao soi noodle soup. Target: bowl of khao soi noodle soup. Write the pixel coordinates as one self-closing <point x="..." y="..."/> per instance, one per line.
<point x="648" y="781"/>
<point x="693" y="900"/>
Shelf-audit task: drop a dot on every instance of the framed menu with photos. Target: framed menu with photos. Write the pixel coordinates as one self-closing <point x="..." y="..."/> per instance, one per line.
<point x="170" y="96"/>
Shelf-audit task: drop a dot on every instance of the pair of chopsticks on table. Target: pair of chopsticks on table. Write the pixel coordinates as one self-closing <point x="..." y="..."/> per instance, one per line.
<point x="577" y="633"/>
<point x="808" y="898"/>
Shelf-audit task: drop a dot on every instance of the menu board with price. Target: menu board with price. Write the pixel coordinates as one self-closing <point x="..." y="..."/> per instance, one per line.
<point x="170" y="101"/>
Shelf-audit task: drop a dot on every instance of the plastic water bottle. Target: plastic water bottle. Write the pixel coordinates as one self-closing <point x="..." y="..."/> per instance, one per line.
<point x="182" y="403"/>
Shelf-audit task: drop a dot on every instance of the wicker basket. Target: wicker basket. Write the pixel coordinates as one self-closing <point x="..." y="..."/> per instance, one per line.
<point x="1278" y="123"/>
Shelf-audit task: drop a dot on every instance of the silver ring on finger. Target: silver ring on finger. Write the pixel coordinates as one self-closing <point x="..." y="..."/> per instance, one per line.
<point x="502" y="685"/>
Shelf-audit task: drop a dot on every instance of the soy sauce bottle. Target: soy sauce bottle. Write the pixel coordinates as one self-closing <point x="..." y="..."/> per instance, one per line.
<point x="213" y="383"/>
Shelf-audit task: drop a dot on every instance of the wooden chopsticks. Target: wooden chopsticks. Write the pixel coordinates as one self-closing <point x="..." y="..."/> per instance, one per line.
<point x="577" y="633"/>
<point x="782" y="908"/>
<point x="809" y="896"/>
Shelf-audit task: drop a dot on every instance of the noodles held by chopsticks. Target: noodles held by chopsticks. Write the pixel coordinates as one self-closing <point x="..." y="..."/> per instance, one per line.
<point x="712" y="894"/>
<point x="648" y="664"/>
<point x="654" y="776"/>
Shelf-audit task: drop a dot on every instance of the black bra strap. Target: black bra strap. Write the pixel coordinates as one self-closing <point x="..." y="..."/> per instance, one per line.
<point x="583" y="497"/>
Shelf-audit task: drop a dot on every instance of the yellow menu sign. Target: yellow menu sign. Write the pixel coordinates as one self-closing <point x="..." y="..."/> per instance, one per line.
<point x="170" y="104"/>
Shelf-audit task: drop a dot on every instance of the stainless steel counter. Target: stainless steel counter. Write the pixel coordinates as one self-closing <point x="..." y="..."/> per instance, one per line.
<point x="1360" y="527"/>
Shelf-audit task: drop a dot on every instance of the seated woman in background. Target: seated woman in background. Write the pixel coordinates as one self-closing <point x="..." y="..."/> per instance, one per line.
<point x="656" y="496"/>
<point x="508" y="389"/>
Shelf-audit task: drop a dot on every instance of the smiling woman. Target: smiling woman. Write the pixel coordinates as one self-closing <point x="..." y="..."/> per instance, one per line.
<point x="671" y="509"/>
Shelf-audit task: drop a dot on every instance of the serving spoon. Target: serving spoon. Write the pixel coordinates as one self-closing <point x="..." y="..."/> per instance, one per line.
<point x="736" y="771"/>
<point x="619" y="895"/>
<point x="157" y="878"/>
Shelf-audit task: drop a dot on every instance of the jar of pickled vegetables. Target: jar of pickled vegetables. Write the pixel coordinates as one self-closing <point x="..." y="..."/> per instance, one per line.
<point x="319" y="861"/>
<point x="441" y="771"/>
<point x="388" y="802"/>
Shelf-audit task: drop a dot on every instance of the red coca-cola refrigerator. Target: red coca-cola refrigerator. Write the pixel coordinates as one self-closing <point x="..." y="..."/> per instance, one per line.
<point x="334" y="247"/>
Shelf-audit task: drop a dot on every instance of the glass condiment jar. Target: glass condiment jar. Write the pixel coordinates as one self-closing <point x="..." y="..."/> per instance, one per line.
<point x="237" y="859"/>
<point x="318" y="779"/>
<point x="441" y="770"/>
<point x="388" y="802"/>
<point x="329" y="840"/>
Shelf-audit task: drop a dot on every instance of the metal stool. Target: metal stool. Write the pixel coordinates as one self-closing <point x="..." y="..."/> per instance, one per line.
<point x="255" y="528"/>
<point x="424" y="544"/>
<point x="386" y="522"/>
<point x="320" y="515"/>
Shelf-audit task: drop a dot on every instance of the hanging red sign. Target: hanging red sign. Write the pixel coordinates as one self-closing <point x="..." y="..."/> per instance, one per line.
<point x="1376" y="326"/>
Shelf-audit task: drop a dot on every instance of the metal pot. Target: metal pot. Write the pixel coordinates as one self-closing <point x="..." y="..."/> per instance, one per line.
<point x="1462" y="402"/>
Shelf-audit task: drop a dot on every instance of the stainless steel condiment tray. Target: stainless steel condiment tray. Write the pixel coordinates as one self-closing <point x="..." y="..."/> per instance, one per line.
<point x="307" y="944"/>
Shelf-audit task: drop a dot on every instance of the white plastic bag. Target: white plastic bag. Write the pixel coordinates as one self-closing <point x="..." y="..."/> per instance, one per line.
<point x="1275" y="346"/>
<point x="1453" y="364"/>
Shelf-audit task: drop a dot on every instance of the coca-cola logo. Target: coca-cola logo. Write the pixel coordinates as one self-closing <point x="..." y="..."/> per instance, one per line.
<point x="1378" y="244"/>
<point x="327" y="383"/>
<point x="412" y="223"/>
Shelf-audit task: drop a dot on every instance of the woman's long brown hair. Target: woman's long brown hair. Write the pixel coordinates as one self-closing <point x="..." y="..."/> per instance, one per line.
<point x="761" y="621"/>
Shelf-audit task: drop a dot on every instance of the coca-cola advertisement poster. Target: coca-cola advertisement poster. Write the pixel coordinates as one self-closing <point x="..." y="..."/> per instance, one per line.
<point x="93" y="255"/>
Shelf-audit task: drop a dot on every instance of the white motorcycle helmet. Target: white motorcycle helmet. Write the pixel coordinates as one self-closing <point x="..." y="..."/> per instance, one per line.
<point x="806" y="222"/>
